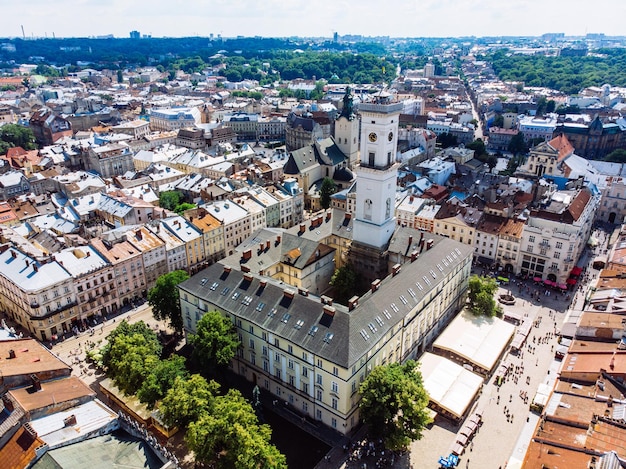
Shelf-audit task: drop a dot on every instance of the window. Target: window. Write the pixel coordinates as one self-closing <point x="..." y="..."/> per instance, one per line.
<point x="319" y="379"/>
<point x="334" y="422"/>
<point x="334" y="403"/>
<point x="251" y="344"/>
<point x="277" y="357"/>
<point x="319" y="395"/>
<point x="292" y="380"/>
<point x="305" y="371"/>
<point x="318" y="414"/>
<point x="531" y="239"/>
<point x="305" y="388"/>
<point x="334" y="386"/>
<point x="559" y="245"/>
<point x="290" y="364"/>
<point x="557" y="254"/>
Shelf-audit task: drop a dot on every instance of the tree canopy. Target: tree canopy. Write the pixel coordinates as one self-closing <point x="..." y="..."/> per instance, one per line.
<point x="14" y="135"/>
<point x="481" y="296"/>
<point x="230" y="437"/>
<point x="393" y="404"/>
<point x="564" y="73"/>
<point x="130" y="355"/>
<point x="214" y="343"/>
<point x="164" y="298"/>
<point x="169" y="200"/>
<point x="327" y="189"/>
<point x="517" y="145"/>
<point x="160" y="379"/>
<point x="344" y="281"/>
<point x="616" y="156"/>
<point x="187" y="399"/>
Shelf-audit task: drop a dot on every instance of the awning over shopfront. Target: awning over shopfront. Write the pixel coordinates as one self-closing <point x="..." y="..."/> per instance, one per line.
<point x="571" y="281"/>
<point x="548" y="282"/>
<point x="577" y="271"/>
<point x="537" y="279"/>
<point x="562" y="286"/>
<point x="484" y="260"/>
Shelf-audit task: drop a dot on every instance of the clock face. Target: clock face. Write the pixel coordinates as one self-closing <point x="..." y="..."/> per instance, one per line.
<point x="390" y="136"/>
<point x="373" y="137"/>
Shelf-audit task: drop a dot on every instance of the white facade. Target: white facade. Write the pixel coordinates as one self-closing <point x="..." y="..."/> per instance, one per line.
<point x="347" y="138"/>
<point x="377" y="174"/>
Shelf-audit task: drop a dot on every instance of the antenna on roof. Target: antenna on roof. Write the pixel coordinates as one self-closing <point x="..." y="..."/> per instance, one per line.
<point x="23" y="34"/>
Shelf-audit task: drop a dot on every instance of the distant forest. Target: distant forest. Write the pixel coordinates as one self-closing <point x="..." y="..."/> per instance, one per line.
<point x="566" y="74"/>
<point x="244" y="57"/>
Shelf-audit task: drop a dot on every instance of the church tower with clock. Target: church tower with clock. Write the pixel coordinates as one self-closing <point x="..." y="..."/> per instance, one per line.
<point x="376" y="181"/>
<point x="377" y="173"/>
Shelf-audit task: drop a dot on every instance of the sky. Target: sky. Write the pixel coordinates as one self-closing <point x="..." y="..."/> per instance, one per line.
<point x="308" y="18"/>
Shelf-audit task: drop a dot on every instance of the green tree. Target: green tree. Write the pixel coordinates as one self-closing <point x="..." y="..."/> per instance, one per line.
<point x="616" y="156"/>
<point x="181" y="208"/>
<point x="161" y="379"/>
<point x="131" y="359"/>
<point x="187" y="399"/>
<point x="169" y="200"/>
<point x="230" y="437"/>
<point x="480" y="294"/>
<point x="498" y="121"/>
<point x="165" y="300"/>
<point x="14" y="135"/>
<point x="125" y="329"/>
<point x="344" y="281"/>
<point x="517" y="145"/>
<point x="478" y="146"/>
<point x="326" y="190"/>
<point x="120" y="76"/>
<point x="393" y="404"/>
<point x="447" y="140"/>
<point x="214" y="343"/>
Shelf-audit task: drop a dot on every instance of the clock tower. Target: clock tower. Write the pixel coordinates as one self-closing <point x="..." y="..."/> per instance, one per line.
<point x="347" y="130"/>
<point x="377" y="173"/>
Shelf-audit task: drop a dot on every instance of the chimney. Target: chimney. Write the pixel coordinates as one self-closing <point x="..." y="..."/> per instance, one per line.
<point x="69" y="421"/>
<point x="302" y="230"/>
<point x="88" y="253"/>
<point x="375" y="285"/>
<point x="348" y="216"/>
<point x="11" y="354"/>
<point x="326" y="300"/>
<point x="27" y="263"/>
<point x="414" y="255"/>
<point x="395" y="270"/>
<point x="267" y="244"/>
<point x="30" y="430"/>
<point x="262" y="283"/>
<point x="35" y="268"/>
<point x="260" y="246"/>
<point x="36" y="382"/>
<point x="247" y="277"/>
<point x="411" y="199"/>
<point x="329" y="310"/>
<point x="429" y="244"/>
<point x="247" y="254"/>
<point x="277" y="240"/>
<point x="328" y="216"/>
<point x="303" y="291"/>
<point x="288" y="293"/>
<point x="245" y="268"/>
<point x="353" y="302"/>
<point x="421" y="236"/>
<point x="227" y="269"/>
<point x="8" y="403"/>
<point x="13" y="255"/>
<point x="410" y="239"/>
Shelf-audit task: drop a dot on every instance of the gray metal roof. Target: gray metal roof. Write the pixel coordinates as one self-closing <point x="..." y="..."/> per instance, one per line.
<point x="345" y="337"/>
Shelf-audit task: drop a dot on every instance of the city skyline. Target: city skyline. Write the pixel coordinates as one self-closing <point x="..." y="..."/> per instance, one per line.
<point x="275" y="18"/>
